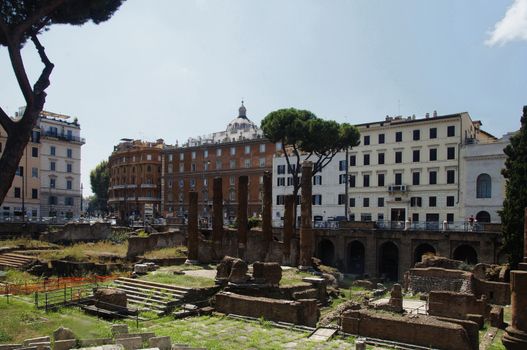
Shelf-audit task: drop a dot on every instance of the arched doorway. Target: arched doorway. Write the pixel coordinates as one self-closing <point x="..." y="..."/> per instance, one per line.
<point x="356" y="258"/>
<point x="422" y="249"/>
<point x="466" y="253"/>
<point x="326" y="252"/>
<point x="483" y="216"/>
<point x="389" y="261"/>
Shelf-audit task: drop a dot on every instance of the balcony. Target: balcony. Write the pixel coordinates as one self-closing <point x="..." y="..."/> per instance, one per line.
<point x="64" y="137"/>
<point x="397" y="188"/>
<point x="148" y="185"/>
<point x="119" y="187"/>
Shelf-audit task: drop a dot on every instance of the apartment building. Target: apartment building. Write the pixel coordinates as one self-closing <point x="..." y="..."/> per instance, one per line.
<point x="405" y="169"/>
<point x="135" y="179"/>
<point x="60" y="166"/>
<point x="238" y="150"/>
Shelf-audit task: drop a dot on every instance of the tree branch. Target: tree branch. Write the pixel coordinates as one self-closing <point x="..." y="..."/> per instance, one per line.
<point x="42" y="12"/>
<point x="6" y="122"/>
<point x="43" y="81"/>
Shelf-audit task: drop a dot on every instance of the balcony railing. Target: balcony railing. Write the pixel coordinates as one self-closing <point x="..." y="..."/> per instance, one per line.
<point x="64" y="137"/>
<point x="397" y="188"/>
<point x="459" y="226"/>
<point x="148" y="185"/>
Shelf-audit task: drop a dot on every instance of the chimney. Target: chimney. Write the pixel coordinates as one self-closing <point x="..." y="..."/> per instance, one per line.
<point x="427" y="115"/>
<point x="435" y="114"/>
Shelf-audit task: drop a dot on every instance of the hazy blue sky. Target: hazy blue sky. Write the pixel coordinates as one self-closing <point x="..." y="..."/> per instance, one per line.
<point x="175" y="69"/>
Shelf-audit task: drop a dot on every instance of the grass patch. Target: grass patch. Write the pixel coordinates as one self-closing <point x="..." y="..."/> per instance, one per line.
<point x="496" y="343"/>
<point x="26" y="243"/>
<point x="293" y="277"/>
<point x="20" y="277"/>
<point x="20" y="320"/>
<point x="179" y="280"/>
<point x="86" y="251"/>
<point x="165" y="253"/>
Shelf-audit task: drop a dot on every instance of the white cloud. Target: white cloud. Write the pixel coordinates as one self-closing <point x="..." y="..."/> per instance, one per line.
<point x="511" y="27"/>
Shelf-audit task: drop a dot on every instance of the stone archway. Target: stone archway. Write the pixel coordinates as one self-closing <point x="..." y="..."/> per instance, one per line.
<point x="466" y="253"/>
<point x="421" y="250"/>
<point x="483" y="216"/>
<point x="326" y="252"/>
<point x="356" y="258"/>
<point x="389" y="261"/>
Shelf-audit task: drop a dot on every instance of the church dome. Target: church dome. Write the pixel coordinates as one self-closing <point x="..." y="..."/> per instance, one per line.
<point x="241" y="123"/>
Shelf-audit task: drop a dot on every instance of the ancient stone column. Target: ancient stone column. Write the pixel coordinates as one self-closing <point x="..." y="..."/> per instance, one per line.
<point x="217" y="210"/>
<point x="516" y="333"/>
<point x="192" y="236"/>
<point x="306" y="231"/>
<point x="267" y="207"/>
<point x="523" y="265"/>
<point x="243" y="225"/>
<point x="289" y="226"/>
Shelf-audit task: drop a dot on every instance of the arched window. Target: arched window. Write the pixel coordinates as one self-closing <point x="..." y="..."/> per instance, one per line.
<point x="484" y="186"/>
<point x="483" y="216"/>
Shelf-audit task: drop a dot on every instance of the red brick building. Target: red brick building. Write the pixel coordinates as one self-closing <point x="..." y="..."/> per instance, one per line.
<point x="239" y="150"/>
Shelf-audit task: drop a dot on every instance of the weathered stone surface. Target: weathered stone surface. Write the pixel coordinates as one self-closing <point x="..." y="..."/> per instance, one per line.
<point x="223" y="270"/>
<point x="516" y="333"/>
<point x="396" y="298"/>
<point x="193" y="234"/>
<point x="289" y="227"/>
<point x="10" y="346"/>
<point x="62" y="333"/>
<point x="243" y="224"/>
<point x="119" y="328"/>
<point x="267" y="206"/>
<point x="239" y="272"/>
<point x="217" y="210"/>
<point x="364" y="284"/>
<point x="98" y="341"/>
<point x="455" y="305"/>
<point x="105" y="347"/>
<point x="496" y="317"/>
<point x="306" y="231"/>
<point x="130" y="343"/>
<point x="65" y="344"/>
<point x="267" y="273"/>
<point x="144" y="336"/>
<point x="424" y="280"/>
<point x="439" y="261"/>
<point x="27" y="342"/>
<point x="163" y="343"/>
<point x="110" y="299"/>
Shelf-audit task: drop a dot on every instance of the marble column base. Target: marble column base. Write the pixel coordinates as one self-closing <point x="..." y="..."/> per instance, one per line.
<point x="514" y="339"/>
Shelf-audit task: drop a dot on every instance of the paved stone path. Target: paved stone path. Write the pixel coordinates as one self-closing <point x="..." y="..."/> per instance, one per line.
<point x="411" y="306"/>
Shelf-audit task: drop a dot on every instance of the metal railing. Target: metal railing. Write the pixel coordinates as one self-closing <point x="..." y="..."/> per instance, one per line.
<point x="458" y="226"/>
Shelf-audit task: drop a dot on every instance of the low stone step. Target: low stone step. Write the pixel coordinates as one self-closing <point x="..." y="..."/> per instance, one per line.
<point x="152" y="284"/>
<point x="150" y="301"/>
<point x="145" y="291"/>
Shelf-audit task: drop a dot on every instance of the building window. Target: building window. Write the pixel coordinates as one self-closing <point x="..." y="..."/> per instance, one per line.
<point x="280" y="181"/>
<point x="218" y="164"/>
<point x="52" y="150"/>
<point x="34" y="152"/>
<point x="17" y="192"/>
<point x="261" y="162"/>
<point x="181" y="167"/>
<point x="365" y="217"/>
<point x="432" y="177"/>
<point x="416" y="155"/>
<point x="433" y="133"/>
<point x="365" y="202"/>
<point x="316" y="199"/>
<point x="262" y="148"/>
<point x="218" y="152"/>
<point x="34" y="193"/>
<point x="247" y="163"/>
<point x="451" y="131"/>
<point x="366" y="140"/>
<point x="416" y="202"/>
<point x="416" y="177"/>
<point x="52" y="166"/>
<point x="484" y="186"/>
<point x="352" y="202"/>
<point x="205" y="153"/>
<point x="342" y="165"/>
<point x="291" y="169"/>
<point x="19" y="171"/>
<point x="233" y="151"/>
<point x="433" y="154"/>
<point x="380" y="180"/>
<point x="366" y="180"/>
<point x="232" y="180"/>
<point x="342" y="178"/>
<point x="148" y="157"/>
<point x="353" y="160"/>
<point x="450" y="201"/>
<point x="417" y="135"/>
<point x="352" y="180"/>
<point x="366" y="159"/>
<point x="170" y="157"/>
<point x="342" y="199"/>
<point x="247" y="149"/>
<point x="381" y="138"/>
<point x="192" y="183"/>
<point x="380" y="202"/>
<point x="52" y="183"/>
<point x="181" y="156"/>
<point x="52" y="200"/>
<point x="170" y="168"/>
<point x="69" y="153"/>
<point x="451" y="153"/>
<point x="181" y="183"/>
<point x="398" y="157"/>
<point x="69" y="184"/>
<point x="280" y="200"/>
<point x="450" y="176"/>
<point x="317" y="180"/>
<point x="432" y="201"/>
<point x="380" y="158"/>
<point x="193" y="155"/>
<point x="232" y="164"/>
<point x="399" y="136"/>
<point x="450" y="217"/>
<point x="68" y="201"/>
<point x="68" y="168"/>
<point x="398" y="178"/>
<point x="34" y="172"/>
<point x="280" y="169"/>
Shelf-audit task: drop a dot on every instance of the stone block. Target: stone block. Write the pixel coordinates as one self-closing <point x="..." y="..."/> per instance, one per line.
<point x="119" y="328"/>
<point x="110" y="299"/>
<point x="144" y="336"/>
<point x="163" y="343"/>
<point x="360" y="345"/>
<point x="41" y="345"/>
<point x="239" y="272"/>
<point x="478" y="319"/>
<point x="268" y="273"/>
<point x="496" y="317"/>
<point x="141" y="269"/>
<point x="97" y="341"/>
<point x="36" y="340"/>
<point x="62" y="333"/>
<point x="65" y="344"/>
<point x="130" y="343"/>
<point x="105" y="347"/>
<point x="10" y="346"/>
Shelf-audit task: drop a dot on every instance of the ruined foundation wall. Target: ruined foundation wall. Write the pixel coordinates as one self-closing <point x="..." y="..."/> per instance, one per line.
<point x="455" y="305"/>
<point x="419" y="330"/>
<point x="498" y="293"/>
<point x="303" y="312"/>
<point x="76" y="232"/>
<point x="140" y="245"/>
<point x="424" y="280"/>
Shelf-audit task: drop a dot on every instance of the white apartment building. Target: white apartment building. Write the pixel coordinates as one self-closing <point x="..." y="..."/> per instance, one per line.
<point x="60" y="166"/>
<point x="405" y="169"/>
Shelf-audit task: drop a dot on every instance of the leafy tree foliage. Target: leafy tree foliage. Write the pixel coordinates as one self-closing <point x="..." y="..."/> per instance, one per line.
<point x="100" y="181"/>
<point x="23" y="20"/>
<point x="515" y="173"/>
<point x="302" y="133"/>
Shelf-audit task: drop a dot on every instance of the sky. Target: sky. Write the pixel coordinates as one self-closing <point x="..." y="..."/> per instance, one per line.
<point x="178" y="69"/>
